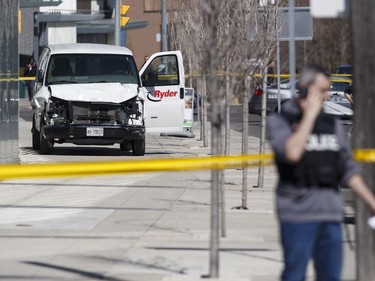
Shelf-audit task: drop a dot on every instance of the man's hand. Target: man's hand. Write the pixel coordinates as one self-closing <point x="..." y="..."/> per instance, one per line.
<point x="312" y="104"/>
<point x="311" y="107"/>
<point x="358" y="185"/>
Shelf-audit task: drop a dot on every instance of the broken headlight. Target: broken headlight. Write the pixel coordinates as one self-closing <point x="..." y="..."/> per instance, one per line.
<point x="130" y="112"/>
<point x="56" y="111"/>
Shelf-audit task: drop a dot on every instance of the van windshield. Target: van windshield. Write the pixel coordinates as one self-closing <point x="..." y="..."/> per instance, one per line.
<point x="91" y="68"/>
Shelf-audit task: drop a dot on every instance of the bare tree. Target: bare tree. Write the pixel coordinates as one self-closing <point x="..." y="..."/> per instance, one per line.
<point x="232" y="38"/>
<point x="257" y="30"/>
<point x="188" y="32"/>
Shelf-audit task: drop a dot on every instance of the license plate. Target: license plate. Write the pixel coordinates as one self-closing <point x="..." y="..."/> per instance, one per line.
<point x="94" y="132"/>
<point x="271" y="96"/>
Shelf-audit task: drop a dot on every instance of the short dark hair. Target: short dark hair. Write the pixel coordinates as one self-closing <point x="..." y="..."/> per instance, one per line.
<point x="308" y="74"/>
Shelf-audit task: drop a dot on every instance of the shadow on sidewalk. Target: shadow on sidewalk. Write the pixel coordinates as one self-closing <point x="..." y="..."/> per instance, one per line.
<point x="142" y="264"/>
<point x="91" y="275"/>
<point x="92" y="151"/>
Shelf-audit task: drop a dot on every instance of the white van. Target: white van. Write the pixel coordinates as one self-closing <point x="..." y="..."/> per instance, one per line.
<point x="92" y="94"/>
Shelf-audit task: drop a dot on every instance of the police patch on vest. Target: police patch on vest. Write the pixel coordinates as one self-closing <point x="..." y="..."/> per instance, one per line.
<point x="322" y="142"/>
<point x="321" y="164"/>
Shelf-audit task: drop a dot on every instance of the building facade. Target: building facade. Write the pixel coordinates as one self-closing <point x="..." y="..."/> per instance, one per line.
<point x="90" y="21"/>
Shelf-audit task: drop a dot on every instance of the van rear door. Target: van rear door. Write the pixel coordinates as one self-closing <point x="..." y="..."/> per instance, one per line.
<point x="164" y="82"/>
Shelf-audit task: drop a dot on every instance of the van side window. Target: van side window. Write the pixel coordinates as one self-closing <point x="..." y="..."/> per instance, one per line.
<point x="162" y="71"/>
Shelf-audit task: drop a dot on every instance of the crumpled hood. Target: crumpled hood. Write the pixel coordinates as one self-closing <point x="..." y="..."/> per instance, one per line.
<point x="95" y="92"/>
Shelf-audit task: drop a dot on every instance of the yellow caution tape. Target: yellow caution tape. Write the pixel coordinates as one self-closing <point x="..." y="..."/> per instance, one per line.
<point x="8" y="79"/>
<point x="174" y="77"/>
<point x="17" y="79"/>
<point x="344" y="75"/>
<point x="364" y="155"/>
<point x="340" y="80"/>
<point x="27" y="78"/>
<point x="134" y="166"/>
<point x="259" y="75"/>
<point x="79" y="169"/>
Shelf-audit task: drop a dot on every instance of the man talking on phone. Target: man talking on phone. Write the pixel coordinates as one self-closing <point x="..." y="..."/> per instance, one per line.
<point x="313" y="159"/>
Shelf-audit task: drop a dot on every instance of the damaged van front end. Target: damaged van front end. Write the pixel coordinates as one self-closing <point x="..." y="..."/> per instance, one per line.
<point x="83" y="108"/>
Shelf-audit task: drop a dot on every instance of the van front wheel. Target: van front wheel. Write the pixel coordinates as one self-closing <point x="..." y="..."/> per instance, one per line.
<point x="139" y="147"/>
<point x="46" y="146"/>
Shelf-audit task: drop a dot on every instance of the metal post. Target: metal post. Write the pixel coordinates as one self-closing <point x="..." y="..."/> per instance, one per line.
<point x="36" y="37"/>
<point x="292" y="48"/>
<point x="278" y="67"/>
<point x="117" y="24"/>
<point x="164" y="21"/>
<point x="123" y="38"/>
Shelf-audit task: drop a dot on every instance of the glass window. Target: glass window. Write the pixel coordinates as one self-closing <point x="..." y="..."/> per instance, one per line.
<point x="339" y="86"/>
<point x="91" y="68"/>
<point x="162" y="71"/>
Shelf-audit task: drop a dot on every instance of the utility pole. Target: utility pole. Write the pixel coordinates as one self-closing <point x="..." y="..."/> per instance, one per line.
<point x="164" y="24"/>
<point x="292" y="48"/>
<point x="363" y="36"/>
<point x="117" y="24"/>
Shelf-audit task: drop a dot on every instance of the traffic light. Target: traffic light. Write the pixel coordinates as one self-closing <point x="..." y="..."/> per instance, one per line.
<point x="123" y="10"/>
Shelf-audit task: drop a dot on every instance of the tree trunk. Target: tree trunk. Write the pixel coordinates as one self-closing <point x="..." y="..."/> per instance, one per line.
<point x="190" y="73"/>
<point x="216" y="122"/>
<point x="224" y="151"/>
<point x="223" y="225"/>
<point x="228" y="98"/>
<point x="363" y="32"/>
<point x="204" y="128"/>
<point x="262" y="149"/>
<point x="245" y="140"/>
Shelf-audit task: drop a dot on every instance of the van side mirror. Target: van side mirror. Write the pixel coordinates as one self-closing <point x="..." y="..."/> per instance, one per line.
<point x="40" y="75"/>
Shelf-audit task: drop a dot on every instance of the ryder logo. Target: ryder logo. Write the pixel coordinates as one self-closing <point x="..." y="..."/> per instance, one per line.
<point x="167" y="94"/>
<point x="159" y="95"/>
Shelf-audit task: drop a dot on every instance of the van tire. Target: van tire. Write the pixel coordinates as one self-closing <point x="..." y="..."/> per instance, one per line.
<point x="139" y="147"/>
<point x="46" y="146"/>
<point x="35" y="137"/>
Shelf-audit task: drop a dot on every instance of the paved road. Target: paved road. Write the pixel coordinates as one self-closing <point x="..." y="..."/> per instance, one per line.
<point x="236" y="121"/>
<point x="254" y="122"/>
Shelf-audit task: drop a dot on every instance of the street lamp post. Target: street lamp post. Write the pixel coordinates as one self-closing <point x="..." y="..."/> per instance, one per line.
<point x="117" y="24"/>
<point x="164" y="22"/>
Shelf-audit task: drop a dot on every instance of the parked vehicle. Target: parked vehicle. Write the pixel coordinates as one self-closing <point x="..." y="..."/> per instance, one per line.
<point x="92" y="94"/>
<point x="344" y="69"/>
<point x="337" y="104"/>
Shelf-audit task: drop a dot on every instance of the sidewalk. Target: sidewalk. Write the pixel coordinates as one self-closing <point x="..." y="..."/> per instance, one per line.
<point x="140" y="227"/>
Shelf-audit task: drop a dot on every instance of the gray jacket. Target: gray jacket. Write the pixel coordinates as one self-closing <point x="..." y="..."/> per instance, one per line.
<point x="307" y="204"/>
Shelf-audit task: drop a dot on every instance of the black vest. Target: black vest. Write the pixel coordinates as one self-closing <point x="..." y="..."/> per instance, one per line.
<point x="320" y="165"/>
